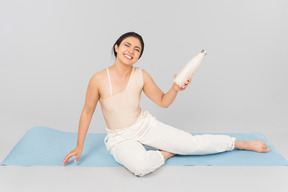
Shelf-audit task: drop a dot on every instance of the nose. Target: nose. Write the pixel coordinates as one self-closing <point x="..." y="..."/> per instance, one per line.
<point x="131" y="50"/>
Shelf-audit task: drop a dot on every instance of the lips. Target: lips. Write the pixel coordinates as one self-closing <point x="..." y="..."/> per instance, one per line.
<point x="128" y="56"/>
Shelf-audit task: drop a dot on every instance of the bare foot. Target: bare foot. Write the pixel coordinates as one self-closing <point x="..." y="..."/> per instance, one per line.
<point x="255" y="145"/>
<point x="166" y="154"/>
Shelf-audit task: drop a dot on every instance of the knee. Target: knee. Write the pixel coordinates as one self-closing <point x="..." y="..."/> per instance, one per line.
<point x="144" y="166"/>
<point x="140" y="169"/>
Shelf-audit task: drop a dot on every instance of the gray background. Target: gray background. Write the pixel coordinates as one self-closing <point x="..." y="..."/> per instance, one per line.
<point x="50" y="49"/>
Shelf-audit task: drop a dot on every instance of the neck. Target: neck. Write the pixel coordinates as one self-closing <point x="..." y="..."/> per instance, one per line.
<point x="122" y="69"/>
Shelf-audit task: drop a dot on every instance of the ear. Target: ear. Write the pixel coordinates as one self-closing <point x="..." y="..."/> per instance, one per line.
<point x="116" y="48"/>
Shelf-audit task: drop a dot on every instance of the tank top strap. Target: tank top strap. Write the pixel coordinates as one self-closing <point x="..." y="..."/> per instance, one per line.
<point x="139" y="76"/>
<point x="110" y="86"/>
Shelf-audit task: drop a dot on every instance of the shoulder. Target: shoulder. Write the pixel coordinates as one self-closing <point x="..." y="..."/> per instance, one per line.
<point x="98" y="77"/>
<point x="137" y="69"/>
<point x="146" y="75"/>
<point x="143" y="71"/>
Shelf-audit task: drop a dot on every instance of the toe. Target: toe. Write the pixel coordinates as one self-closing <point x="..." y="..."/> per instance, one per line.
<point x="266" y="149"/>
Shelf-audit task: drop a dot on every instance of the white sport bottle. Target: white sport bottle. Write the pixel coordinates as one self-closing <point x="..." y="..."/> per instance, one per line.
<point x="189" y="69"/>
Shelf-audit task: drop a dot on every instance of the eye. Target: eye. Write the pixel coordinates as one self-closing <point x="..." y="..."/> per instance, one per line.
<point x="137" y="50"/>
<point x="126" y="45"/>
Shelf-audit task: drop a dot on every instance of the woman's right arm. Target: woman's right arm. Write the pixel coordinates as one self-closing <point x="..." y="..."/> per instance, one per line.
<point x="92" y="97"/>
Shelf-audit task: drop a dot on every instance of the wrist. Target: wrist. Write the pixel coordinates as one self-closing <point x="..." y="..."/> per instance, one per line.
<point x="175" y="88"/>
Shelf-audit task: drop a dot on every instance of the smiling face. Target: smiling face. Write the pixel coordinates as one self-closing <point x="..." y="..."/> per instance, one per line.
<point x="128" y="51"/>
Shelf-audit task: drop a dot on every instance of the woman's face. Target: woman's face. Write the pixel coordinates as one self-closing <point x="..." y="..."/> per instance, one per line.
<point x="129" y="50"/>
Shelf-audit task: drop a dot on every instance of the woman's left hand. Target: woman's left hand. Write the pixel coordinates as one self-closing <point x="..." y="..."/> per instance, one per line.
<point x="177" y="88"/>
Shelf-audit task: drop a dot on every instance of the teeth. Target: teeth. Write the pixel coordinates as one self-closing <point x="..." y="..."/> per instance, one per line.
<point x="128" y="56"/>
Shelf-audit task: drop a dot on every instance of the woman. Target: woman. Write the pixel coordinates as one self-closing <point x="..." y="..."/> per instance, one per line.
<point x="118" y="88"/>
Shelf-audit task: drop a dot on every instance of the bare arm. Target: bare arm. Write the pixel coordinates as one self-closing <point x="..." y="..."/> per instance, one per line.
<point x="92" y="97"/>
<point x="153" y="92"/>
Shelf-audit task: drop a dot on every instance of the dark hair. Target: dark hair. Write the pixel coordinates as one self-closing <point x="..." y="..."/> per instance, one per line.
<point x="124" y="36"/>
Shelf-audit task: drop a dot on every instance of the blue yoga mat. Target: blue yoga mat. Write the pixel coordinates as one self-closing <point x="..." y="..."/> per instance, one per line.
<point x="43" y="146"/>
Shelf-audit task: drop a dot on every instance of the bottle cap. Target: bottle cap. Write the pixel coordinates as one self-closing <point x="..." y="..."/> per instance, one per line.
<point x="204" y="52"/>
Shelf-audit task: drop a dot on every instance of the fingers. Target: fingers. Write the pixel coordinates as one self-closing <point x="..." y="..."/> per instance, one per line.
<point x="188" y="81"/>
<point x="68" y="157"/>
<point x="181" y="88"/>
<point x="76" y="158"/>
<point x="185" y="85"/>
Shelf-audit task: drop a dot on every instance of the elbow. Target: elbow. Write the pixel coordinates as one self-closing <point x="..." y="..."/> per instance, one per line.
<point x="164" y="105"/>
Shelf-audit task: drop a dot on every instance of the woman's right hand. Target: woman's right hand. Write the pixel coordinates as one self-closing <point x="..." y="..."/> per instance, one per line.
<point x="77" y="152"/>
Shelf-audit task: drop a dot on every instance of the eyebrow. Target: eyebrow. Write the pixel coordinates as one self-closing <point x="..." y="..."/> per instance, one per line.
<point x="130" y="44"/>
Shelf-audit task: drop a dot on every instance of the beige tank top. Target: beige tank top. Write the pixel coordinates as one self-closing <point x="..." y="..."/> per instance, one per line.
<point x="121" y="110"/>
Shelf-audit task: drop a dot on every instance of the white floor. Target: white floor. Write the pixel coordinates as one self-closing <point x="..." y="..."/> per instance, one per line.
<point x="165" y="179"/>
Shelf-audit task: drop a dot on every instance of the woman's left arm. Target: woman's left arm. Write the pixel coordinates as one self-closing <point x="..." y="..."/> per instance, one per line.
<point x="153" y="92"/>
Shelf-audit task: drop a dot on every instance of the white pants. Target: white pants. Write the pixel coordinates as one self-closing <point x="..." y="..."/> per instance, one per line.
<point x="126" y="145"/>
